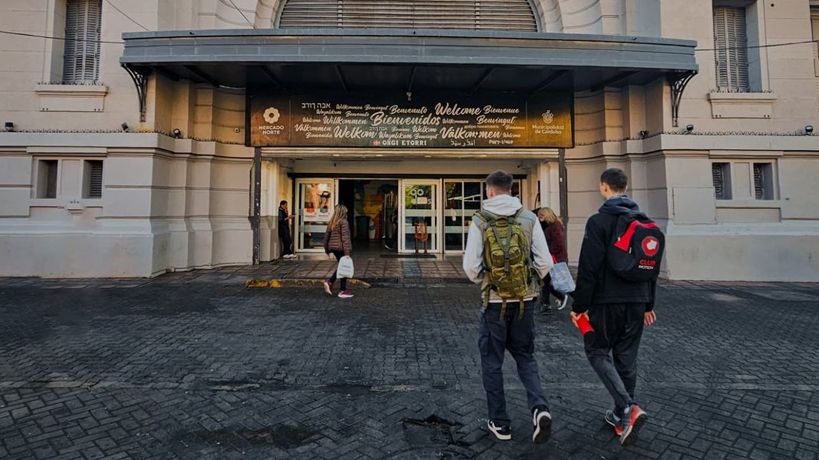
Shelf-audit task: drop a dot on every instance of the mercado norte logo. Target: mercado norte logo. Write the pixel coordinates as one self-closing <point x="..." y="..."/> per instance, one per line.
<point x="271" y="115"/>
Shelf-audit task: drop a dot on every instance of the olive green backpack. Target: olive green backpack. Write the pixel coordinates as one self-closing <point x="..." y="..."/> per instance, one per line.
<point x="506" y="259"/>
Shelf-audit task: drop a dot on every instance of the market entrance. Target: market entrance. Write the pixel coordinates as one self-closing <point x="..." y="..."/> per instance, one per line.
<point x="373" y="214"/>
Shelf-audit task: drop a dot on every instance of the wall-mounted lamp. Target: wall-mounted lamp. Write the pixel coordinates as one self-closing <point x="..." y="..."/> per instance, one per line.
<point x="9" y="126"/>
<point x="808" y="129"/>
<point x="177" y="133"/>
<point x="124" y="127"/>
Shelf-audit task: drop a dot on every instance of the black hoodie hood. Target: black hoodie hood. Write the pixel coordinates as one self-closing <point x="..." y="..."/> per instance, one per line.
<point x="618" y="205"/>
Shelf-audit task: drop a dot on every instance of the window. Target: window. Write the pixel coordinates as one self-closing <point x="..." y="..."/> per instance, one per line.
<point x="81" y="57"/>
<point x="92" y="179"/>
<point x="721" y="174"/>
<point x="731" y="44"/>
<point x="763" y="181"/>
<point x="47" y="178"/>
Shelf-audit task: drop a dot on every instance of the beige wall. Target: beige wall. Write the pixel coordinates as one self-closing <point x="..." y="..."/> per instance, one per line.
<point x="177" y="204"/>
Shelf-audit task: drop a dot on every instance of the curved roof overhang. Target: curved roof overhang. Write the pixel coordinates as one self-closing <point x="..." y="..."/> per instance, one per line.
<point x="367" y="59"/>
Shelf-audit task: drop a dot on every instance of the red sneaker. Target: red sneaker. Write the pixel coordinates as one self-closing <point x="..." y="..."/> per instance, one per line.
<point x="631" y="424"/>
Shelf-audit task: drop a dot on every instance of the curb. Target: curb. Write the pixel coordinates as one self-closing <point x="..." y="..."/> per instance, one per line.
<point x="297" y="282"/>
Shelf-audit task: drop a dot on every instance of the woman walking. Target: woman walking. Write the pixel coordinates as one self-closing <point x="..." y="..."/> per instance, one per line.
<point x="555" y="238"/>
<point x="338" y="242"/>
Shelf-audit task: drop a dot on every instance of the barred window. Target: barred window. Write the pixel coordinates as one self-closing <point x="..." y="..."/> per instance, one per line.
<point x="721" y="175"/>
<point x="92" y="179"/>
<point x="763" y="181"/>
<point x="81" y="58"/>
<point x="731" y="44"/>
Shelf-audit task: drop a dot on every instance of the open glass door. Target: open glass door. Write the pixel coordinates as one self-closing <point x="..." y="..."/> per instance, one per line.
<point x="463" y="199"/>
<point x="419" y="212"/>
<point x="316" y="199"/>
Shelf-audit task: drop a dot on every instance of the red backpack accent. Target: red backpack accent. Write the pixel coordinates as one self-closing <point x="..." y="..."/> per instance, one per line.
<point x="636" y="249"/>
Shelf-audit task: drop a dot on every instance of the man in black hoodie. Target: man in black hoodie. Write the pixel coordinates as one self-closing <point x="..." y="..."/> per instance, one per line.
<point x="617" y="309"/>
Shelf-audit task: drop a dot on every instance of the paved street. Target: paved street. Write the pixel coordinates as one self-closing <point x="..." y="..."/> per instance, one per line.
<point x="176" y="369"/>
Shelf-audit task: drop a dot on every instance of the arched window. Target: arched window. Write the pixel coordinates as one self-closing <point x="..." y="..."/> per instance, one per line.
<point x="514" y="15"/>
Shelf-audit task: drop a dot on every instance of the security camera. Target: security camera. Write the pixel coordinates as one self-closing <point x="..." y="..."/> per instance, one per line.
<point x="809" y="129"/>
<point x="689" y="128"/>
<point x="177" y="133"/>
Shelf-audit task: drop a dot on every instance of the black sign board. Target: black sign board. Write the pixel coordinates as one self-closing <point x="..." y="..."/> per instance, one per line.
<point x="438" y="121"/>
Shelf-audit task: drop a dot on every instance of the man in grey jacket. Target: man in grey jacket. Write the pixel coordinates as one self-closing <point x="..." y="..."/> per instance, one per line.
<point x="514" y="332"/>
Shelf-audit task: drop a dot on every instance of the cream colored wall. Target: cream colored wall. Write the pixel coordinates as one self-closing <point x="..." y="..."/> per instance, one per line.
<point x="177" y="204"/>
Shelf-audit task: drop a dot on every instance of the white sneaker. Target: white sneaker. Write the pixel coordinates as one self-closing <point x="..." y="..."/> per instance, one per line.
<point x="502" y="432"/>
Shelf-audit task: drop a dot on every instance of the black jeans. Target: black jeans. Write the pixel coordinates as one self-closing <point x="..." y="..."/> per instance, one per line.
<point x="495" y="336"/>
<point x="612" y="348"/>
<point x="342" y="281"/>
<point x="287" y="242"/>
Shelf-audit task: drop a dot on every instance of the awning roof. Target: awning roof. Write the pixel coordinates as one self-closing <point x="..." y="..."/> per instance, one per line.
<point x="353" y="60"/>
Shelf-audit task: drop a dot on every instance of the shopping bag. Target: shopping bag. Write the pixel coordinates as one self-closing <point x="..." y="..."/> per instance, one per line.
<point x="345" y="267"/>
<point x="562" y="278"/>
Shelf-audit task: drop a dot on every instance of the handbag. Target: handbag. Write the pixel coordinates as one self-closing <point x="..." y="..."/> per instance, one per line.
<point x="345" y="267"/>
<point x="562" y="280"/>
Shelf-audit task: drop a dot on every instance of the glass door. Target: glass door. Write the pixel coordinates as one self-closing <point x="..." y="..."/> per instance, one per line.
<point x="419" y="215"/>
<point x="463" y="199"/>
<point x="315" y="200"/>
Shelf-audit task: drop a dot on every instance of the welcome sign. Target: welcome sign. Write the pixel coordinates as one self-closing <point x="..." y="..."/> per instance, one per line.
<point x="544" y="121"/>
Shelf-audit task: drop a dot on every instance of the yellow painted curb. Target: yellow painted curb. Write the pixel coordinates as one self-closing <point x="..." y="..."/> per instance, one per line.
<point x="296" y="282"/>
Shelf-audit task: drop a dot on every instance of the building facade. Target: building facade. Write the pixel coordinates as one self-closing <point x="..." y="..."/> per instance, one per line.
<point x="147" y="137"/>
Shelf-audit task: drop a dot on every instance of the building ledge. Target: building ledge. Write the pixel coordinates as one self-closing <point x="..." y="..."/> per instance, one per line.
<point x="71" y="98"/>
<point x="742" y="105"/>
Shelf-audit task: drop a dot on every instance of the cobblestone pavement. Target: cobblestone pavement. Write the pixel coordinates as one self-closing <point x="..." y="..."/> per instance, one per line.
<point x="214" y="370"/>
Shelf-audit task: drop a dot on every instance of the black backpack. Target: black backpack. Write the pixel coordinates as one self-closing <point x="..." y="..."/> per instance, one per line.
<point x="636" y="248"/>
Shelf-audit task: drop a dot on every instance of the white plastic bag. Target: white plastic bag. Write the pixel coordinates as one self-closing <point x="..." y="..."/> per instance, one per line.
<point x="562" y="278"/>
<point x="345" y="267"/>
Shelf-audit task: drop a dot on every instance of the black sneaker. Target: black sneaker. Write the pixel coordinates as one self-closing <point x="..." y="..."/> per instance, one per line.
<point x="501" y="431"/>
<point x="542" y="420"/>
<point x="632" y="422"/>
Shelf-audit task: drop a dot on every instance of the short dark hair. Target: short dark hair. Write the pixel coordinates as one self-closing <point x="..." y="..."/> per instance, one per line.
<point x="500" y="180"/>
<point x="615" y="178"/>
<point x="282" y="202"/>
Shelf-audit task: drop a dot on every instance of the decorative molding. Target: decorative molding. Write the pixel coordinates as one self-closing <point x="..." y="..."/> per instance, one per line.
<point x="71" y="98"/>
<point x="742" y="105"/>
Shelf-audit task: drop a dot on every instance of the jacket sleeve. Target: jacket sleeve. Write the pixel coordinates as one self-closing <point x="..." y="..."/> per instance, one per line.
<point x="541" y="257"/>
<point x="652" y="293"/>
<point x="327" y="234"/>
<point x="473" y="254"/>
<point x="346" y="240"/>
<point x="590" y="267"/>
<point x="556" y="241"/>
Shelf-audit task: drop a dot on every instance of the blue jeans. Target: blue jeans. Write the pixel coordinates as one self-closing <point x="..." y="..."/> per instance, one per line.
<point x="495" y="336"/>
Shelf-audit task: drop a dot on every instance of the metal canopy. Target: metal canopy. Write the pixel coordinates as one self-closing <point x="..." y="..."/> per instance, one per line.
<point x="367" y="59"/>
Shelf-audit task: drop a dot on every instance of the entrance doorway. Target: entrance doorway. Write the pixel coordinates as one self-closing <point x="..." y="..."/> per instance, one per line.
<point x="373" y="214"/>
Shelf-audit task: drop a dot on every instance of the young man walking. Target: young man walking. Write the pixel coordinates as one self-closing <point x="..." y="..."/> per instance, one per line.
<point x="508" y="323"/>
<point x="617" y="309"/>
